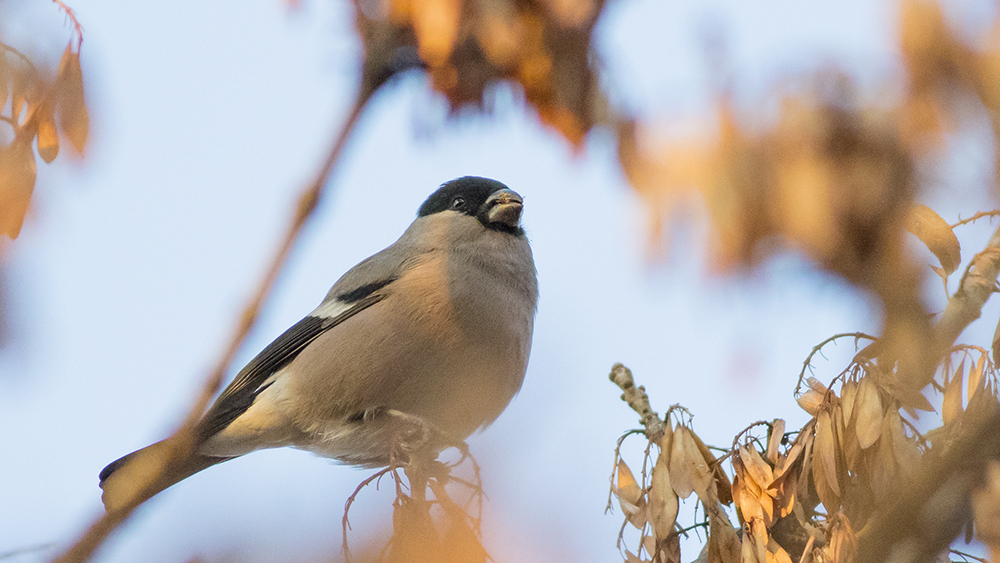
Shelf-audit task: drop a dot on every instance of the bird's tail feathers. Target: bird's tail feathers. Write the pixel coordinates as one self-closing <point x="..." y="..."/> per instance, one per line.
<point x="123" y="479"/>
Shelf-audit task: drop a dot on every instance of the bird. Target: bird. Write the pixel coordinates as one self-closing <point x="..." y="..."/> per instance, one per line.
<point x="433" y="332"/>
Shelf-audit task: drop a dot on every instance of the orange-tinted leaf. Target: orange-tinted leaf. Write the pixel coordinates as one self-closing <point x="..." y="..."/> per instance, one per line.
<point x="73" y="118"/>
<point x="17" y="181"/>
<point x="756" y="467"/>
<point x="435" y="23"/>
<point x="868" y="409"/>
<point x="48" y="138"/>
<point x="951" y="408"/>
<point x="935" y="233"/>
<point x="663" y="503"/>
<point x="628" y="490"/>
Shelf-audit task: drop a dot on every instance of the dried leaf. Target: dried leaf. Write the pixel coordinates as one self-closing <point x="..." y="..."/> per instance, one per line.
<point x="810" y="401"/>
<point x="848" y="393"/>
<point x="663" y="503"/>
<point x="688" y="470"/>
<point x="794" y="452"/>
<point x="73" y="119"/>
<point x="904" y="448"/>
<point x="976" y="378"/>
<point x="756" y="467"/>
<point x="667" y="440"/>
<point x="760" y="538"/>
<point x="723" y="543"/>
<point x="776" y="553"/>
<point x="747" y="501"/>
<point x="816" y="385"/>
<point x="935" y="233"/>
<point x="951" y="408"/>
<point x="777" y="435"/>
<point x="996" y="344"/>
<point x="868" y="409"/>
<point x="721" y="479"/>
<point x="4" y="82"/>
<point x="628" y="491"/>
<point x="825" y="463"/>
<point x="748" y="551"/>
<point x="48" y="138"/>
<point x="986" y="510"/>
<point x="17" y="181"/>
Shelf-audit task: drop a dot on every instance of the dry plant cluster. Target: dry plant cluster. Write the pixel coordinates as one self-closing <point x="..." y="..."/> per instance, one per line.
<point x="40" y="108"/>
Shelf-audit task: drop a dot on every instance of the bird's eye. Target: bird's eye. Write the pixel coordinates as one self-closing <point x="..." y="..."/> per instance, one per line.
<point x="457" y="202"/>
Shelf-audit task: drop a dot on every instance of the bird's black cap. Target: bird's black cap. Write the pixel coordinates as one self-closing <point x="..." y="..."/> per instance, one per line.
<point x="467" y="195"/>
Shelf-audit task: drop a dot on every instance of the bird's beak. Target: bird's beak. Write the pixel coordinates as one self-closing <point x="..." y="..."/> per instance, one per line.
<point x="504" y="206"/>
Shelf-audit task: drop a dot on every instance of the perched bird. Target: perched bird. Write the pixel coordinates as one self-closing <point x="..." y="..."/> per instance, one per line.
<point x="433" y="331"/>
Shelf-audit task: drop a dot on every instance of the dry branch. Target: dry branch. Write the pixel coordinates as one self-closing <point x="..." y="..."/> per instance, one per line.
<point x="376" y="72"/>
<point x="636" y="398"/>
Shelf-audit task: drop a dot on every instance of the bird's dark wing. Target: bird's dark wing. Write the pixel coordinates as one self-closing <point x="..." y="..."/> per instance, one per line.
<point x="252" y="379"/>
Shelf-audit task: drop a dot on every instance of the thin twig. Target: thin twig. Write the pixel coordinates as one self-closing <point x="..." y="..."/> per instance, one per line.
<point x="345" y="521"/>
<point x="182" y="442"/>
<point x="976" y="217"/>
<point x="76" y="23"/>
<point x="806" y="364"/>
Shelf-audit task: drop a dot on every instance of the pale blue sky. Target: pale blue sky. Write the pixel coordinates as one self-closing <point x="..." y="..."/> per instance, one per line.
<point x="207" y="118"/>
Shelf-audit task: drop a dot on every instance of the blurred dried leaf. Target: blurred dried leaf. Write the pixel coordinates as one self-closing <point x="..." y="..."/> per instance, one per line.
<point x="48" y="138"/>
<point x="842" y="544"/>
<point x="663" y="503"/>
<point x="868" y="407"/>
<point x="935" y="233"/>
<point x="17" y="181"/>
<point x="995" y="348"/>
<point x="825" y="463"/>
<point x="73" y="118"/>
<point x="848" y="394"/>
<point x="976" y="378"/>
<point x="904" y="448"/>
<point x="951" y="408"/>
<point x="986" y="510"/>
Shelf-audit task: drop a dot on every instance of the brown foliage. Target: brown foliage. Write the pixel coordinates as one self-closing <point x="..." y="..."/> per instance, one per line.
<point x="36" y="101"/>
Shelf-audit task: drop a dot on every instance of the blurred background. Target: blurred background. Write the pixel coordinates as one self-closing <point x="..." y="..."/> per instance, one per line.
<point x="206" y="119"/>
